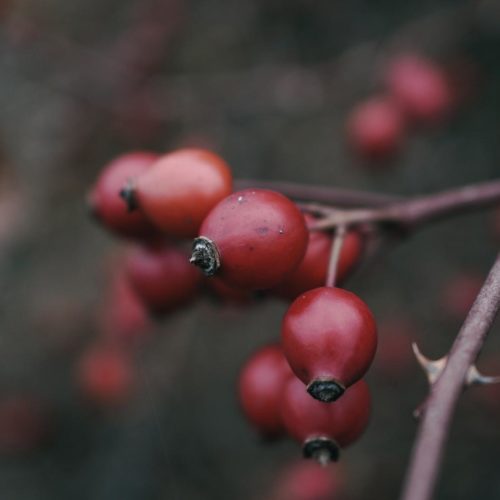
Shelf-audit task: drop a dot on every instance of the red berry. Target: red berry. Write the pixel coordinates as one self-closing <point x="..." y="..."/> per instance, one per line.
<point x="228" y="293"/>
<point x="181" y="188"/>
<point x="376" y="128"/>
<point x="313" y="269"/>
<point x="123" y="317"/>
<point x="105" y="201"/>
<point x="162" y="277"/>
<point x="104" y="376"/>
<point x="23" y="424"/>
<point x="308" y="481"/>
<point x="420" y="87"/>
<point x="323" y="428"/>
<point x="252" y="239"/>
<point x="329" y="338"/>
<point x="261" y="384"/>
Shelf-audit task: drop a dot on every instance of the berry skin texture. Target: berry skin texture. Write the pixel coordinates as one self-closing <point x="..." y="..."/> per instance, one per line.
<point x="162" y="277"/>
<point x="376" y="128"/>
<point x="107" y="205"/>
<point x="313" y="269"/>
<point x="104" y="376"/>
<point x="329" y="337"/>
<point x="179" y="190"/>
<point x="320" y="427"/>
<point x="258" y="236"/>
<point x="420" y="87"/>
<point x="261" y="384"/>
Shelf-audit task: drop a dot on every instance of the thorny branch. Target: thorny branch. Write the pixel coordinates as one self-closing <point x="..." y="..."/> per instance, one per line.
<point x="433" y="432"/>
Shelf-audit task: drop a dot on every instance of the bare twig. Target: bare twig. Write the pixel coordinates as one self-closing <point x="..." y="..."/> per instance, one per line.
<point x="439" y="406"/>
<point x="333" y="264"/>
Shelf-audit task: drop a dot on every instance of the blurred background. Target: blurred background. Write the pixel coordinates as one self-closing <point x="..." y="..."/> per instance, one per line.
<point x="270" y="86"/>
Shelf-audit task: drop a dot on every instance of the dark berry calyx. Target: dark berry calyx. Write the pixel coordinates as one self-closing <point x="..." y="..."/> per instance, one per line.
<point x="322" y="449"/>
<point x="205" y="255"/>
<point x="127" y="193"/>
<point x="326" y="391"/>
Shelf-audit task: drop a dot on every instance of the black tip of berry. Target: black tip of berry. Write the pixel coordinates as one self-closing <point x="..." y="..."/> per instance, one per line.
<point x="326" y="391"/>
<point x="322" y="449"/>
<point x="129" y="197"/>
<point x="205" y="255"/>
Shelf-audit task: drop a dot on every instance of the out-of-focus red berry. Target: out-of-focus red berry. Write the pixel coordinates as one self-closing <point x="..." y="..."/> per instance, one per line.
<point x="162" y="277"/>
<point x="421" y="88"/>
<point x="123" y="318"/>
<point x="307" y="480"/>
<point x="459" y="293"/>
<point x="313" y="269"/>
<point x="104" y="376"/>
<point x="106" y="203"/>
<point x="376" y="128"/>
<point x="181" y="188"/>
<point x="261" y="385"/>
<point x="228" y="293"/>
<point x="23" y="424"/>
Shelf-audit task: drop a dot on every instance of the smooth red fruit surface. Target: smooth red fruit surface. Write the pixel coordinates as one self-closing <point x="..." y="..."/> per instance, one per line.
<point x="23" y="424"/>
<point x="162" y="276"/>
<point x="123" y="318"/>
<point x="305" y="480"/>
<point x="376" y="128"/>
<point x="459" y="294"/>
<point x="260" y="388"/>
<point x="313" y="269"/>
<point x="420" y="87"/>
<point x="260" y="235"/>
<point x="105" y="376"/>
<point x="329" y="334"/>
<point x="228" y="293"/>
<point x="105" y="201"/>
<point x="181" y="188"/>
<point x="343" y="421"/>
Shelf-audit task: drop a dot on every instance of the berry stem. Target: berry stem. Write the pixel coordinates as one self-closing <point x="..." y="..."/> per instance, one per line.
<point x="438" y="409"/>
<point x="333" y="264"/>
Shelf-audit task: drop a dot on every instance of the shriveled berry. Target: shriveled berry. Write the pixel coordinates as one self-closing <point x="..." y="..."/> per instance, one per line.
<point x="261" y="384"/>
<point x="253" y="239"/>
<point x="329" y="338"/>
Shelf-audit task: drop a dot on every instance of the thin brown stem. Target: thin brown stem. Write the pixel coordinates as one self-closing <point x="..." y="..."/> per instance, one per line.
<point x="333" y="264"/>
<point x="439" y="406"/>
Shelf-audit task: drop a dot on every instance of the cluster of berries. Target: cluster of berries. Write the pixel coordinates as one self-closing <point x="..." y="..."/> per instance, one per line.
<point x="418" y="92"/>
<point x="247" y="241"/>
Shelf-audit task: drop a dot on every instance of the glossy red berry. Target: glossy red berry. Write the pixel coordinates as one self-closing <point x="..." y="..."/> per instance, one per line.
<point x="227" y="293"/>
<point x="105" y="201"/>
<point x="323" y="428"/>
<point x="329" y="338"/>
<point x="306" y="480"/>
<point x="376" y="128"/>
<point x="123" y="319"/>
<point x="162" y="276"/>
<point x="313" y="269"/>
<point x="179" y="190"/>
<point x="105" y="376"/>
<point x="252" y="239"/>
<point x="420" y="87"/>
<point x="260" y="388"/>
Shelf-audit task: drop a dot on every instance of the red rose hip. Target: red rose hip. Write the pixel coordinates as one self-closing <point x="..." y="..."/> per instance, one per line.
<point x="105" y="201"/>
<point x="321" y="428"/>
<point x="260" y="389"/>
<point x="252" y="239"/>
<point x="329" y="337"/>
<point x="179" y="190"/>
<point x="162" y="277"/>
